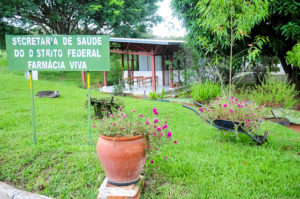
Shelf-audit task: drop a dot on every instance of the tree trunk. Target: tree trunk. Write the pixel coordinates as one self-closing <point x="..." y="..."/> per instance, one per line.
<point x="292" y="72"/>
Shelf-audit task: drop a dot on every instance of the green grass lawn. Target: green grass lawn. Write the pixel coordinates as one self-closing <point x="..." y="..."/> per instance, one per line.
<point x="201" y="165"/>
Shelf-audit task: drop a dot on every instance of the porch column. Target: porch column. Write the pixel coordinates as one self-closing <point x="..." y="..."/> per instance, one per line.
<point x="153" y="70"/>
<point x="178" y="66"/>
<point x="137" y="63"/>
<point x="105" y="78"/>
<point x="163" y="69"/>
<point x="122" y="66"/>
<point x="128" y="66"/>
<point x="132" y="65"/>
<point x="171" y="72"/>
<point x="83" y="77"/>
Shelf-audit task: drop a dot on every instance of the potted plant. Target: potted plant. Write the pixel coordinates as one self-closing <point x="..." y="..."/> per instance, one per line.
<point x="123" y="142"/>
<point x="235" y="114"/>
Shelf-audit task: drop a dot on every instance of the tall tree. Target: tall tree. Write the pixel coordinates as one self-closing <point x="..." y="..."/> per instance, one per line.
<point x="117" y="17"/>
<point x="218" y="24"/>
<point x="283" y="29"/>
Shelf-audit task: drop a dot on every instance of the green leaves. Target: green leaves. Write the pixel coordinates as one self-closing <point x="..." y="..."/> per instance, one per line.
<point x="118" y="17"/>
<point x="293" y="56"/>
<point x="219" y="17"/>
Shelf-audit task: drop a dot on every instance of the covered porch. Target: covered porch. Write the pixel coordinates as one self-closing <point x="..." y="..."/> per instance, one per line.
<point x="144" y="64"/>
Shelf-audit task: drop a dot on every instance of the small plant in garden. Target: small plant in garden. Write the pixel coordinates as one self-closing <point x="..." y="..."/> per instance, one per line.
<point x="154" y="129"/>
<point x="274" y="93"/>
<point x="246" y="115"/>
<point x="205" y="91"/>
<point x="155" y="96"/>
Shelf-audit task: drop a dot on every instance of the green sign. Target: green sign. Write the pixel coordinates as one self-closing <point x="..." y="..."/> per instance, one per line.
<point x="58" y="52"/>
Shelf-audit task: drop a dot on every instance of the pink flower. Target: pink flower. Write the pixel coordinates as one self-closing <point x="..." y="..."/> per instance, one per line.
<point x="147" y="123"/>
<point x="121" y="108"/>
<point x="152" y="161"/>
<point x="168" y="117"/>
<point x="155" y="111"/>
<point x="154" y="134"/>
<point x="165" y="126"/>
<point x="130" y="124"/>
<point x="252" y="113"/>
<point x="123" y="128"/>
<point x="160" y="134"/>
<point x="247" y="115"/>
<point x="255" y="126"/>
<point x="232" y="97"/>
<point x="248" y="125"/>
<point x="203" y="101"/>
<point x="225" y="105"/>
<point x="230" y="110"/>
<point x="158" y="129"/>
<point x="94" y="126"/>
<point x="104" y="110"/>
<point x="248" y="120"/>
<point x="201" y="110"/>
<point x="148" y="147"/>
<point x="114" y="124"/>
<point x="241" y="106"/>
<point x="141" y="116"/>
<point x="155" y="126"/>
<point x="175" y="142"/>
<point x="245" y="102"/>
<point x="155" y="121"/>
<point x="166" y="157"/>
<point x="138" y="123"/>
<point x="133" y="111"/>
<point x="235" y="100"/>
<point x="169" y="134"/>
<point x="259" y="106"/>
<point x="217" y="98"/>
<point x="166" y="122"/>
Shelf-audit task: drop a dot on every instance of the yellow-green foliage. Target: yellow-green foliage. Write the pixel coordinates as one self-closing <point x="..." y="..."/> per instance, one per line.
<point x="205" y="91"/>
<point x="274" y="93"/>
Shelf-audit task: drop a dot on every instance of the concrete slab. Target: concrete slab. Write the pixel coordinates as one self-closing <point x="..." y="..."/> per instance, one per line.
<point x="108" y="191"/>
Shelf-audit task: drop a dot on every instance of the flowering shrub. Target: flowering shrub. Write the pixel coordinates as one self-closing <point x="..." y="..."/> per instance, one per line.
<point x="247" y="114"/>
<point x="154" y="129"/>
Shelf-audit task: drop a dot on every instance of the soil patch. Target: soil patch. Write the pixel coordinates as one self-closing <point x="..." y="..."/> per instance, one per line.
<point x="295" y="127"/>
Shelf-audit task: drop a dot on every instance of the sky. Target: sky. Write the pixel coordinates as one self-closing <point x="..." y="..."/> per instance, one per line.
<point x="170" y="26"/>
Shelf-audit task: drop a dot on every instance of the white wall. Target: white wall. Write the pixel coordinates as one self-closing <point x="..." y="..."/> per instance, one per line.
<point x="159" y="76"/>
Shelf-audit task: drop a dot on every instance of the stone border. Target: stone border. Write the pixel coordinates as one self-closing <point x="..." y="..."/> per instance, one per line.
<point x="9" y="192"/>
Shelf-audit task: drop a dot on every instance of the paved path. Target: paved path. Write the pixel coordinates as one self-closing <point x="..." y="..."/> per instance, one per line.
<point x="9" y="192"/>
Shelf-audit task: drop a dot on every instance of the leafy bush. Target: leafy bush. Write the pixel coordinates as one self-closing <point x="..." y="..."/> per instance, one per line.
<point x="274" y="93"/>
<point x="206" y="91"/>
<point x="155" y="96"/>
<point x="119" y="89"/>
<point x="115" y="73"/>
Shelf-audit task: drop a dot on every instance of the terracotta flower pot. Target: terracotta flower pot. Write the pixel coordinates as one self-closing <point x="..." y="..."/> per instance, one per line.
<point x="122" y="158"/>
